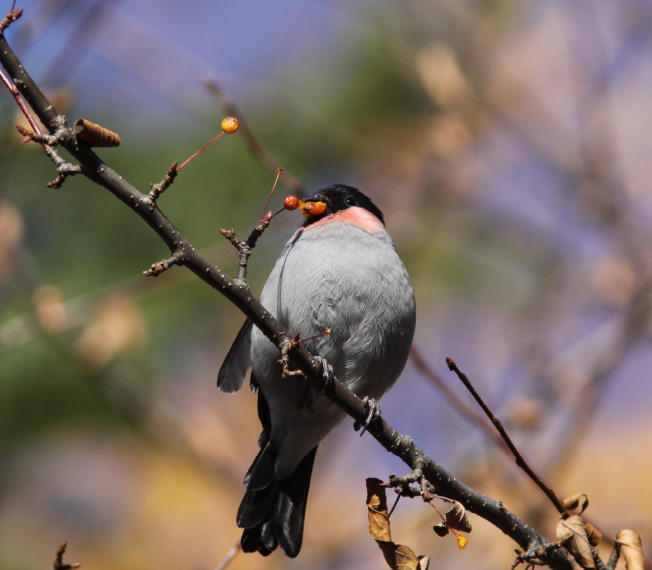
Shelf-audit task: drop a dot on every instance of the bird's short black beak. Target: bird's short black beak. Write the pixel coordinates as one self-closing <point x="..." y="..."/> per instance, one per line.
<point x="313" y="206"/>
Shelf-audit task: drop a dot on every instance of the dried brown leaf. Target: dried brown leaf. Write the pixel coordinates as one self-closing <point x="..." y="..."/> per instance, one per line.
<point x="457" y="519"/>
<point x="12" y="224"/>
<point x="377" y="510"/>
<point x="572" y="531"/>
<point x="400" y="557"/>
<point x="117" y="327"/>
<point x="95" y="135"/>
<point x="443" y="77"/>
<point x="631" y="549"/>
<point x="567" y="527"/>
<point x="50" y="308"/>
<point x="441" y="529"/>
<point x="595" y="536"/>
<point x="578" y="500"/>
<point x="397" y="556"/>
<point x="12" y="227"/>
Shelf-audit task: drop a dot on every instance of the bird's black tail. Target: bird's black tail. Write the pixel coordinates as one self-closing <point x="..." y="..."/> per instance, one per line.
<point x="272" y="511"/>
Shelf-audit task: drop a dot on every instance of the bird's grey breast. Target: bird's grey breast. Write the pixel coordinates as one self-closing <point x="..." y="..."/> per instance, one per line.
<point x="352" y="282"/>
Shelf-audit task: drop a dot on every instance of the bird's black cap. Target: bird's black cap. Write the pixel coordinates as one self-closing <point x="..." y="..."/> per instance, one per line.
<point x="339" y="197"/>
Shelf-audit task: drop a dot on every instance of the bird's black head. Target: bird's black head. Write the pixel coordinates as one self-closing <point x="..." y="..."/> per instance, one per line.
<point x="338" y="197"/>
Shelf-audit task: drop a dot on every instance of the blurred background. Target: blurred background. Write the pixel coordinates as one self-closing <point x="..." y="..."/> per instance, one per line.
<point x="508" y="144"/>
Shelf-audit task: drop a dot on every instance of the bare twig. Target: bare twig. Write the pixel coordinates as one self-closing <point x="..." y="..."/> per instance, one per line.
<point x="157" y="268"/>
<point x="256" y="148"/>
<point x="535" y="556"/>
<point x="237" y="548"/>
<point x="11" y="17"/>
<point x="198" y="152"/>
<point x="19" y="101"/>
<point x="157" y="189"/>
<point x="462" y="407"/>
<point x="58" y="563"/>
<point x="63" y="168"/>
<point x="452" y="365"/>
<point x="245" y="247"/>
<point x="78" y="41"/>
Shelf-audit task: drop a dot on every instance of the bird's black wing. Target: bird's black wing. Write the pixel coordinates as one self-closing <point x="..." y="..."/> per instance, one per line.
<point x="234" y="368"/>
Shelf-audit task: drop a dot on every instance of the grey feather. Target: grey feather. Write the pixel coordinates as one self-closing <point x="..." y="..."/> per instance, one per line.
<point x="232" y="374"/>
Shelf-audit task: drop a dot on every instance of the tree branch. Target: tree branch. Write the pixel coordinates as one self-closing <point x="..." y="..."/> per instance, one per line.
<point x="239" y="294"/>
<point x="520" y="461"/>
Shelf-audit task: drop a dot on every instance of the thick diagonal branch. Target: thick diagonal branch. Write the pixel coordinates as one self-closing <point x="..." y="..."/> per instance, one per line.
<point x="238" y="293"/>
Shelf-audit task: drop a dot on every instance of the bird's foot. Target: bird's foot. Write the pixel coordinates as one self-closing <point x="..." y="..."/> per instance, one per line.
<point x="374" y="412"/>
<point x="326" y="372"/>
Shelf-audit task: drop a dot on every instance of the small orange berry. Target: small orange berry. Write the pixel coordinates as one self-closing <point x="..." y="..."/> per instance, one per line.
<point x="313" y="208"/>
<point x="291" y="203"/>
<point x="229" y="125"/>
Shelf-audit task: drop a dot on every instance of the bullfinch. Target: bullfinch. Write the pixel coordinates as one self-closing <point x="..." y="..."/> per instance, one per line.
<point x="339" y="271"/>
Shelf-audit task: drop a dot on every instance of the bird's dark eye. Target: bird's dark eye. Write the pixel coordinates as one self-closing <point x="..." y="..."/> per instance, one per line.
<point x="350" y="201"/>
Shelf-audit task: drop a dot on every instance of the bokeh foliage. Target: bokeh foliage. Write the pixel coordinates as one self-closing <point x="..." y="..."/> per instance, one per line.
<point x="510" y="159"/>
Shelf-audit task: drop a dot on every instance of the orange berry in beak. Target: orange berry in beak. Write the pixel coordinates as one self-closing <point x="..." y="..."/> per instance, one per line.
<point x="310" y="209"/>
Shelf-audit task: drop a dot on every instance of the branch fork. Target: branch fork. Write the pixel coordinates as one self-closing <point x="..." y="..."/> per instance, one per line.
<point x="157" y="268"/>
<point x="62" y="135"/>
<point x="403" y="485"/>
<point x="534" y="556"/>
<point x="11" y="17"/>
<point x="157" y="189"/>
<point x="245" y="247"/>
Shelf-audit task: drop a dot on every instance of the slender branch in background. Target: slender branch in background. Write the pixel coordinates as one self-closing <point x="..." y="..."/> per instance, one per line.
<point x="97" y="14"/>
<point x="19" y="101"/>
<point x="196" y="153"/>
<point x="478" y="420"/>
<point x="601" y="168"/>
<point x="63" y="167"/>
<point x="300" y="358"/>
<point x="292" y="183"/>
<point x="58" y="563"/>
<point x="499" y="426"/>
<point x="229" y="557"/>
<point x="462" y="408"/>
<point x="279" y="171"/>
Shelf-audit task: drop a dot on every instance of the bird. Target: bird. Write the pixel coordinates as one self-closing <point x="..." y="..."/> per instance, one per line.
<point x="338" y="274"/>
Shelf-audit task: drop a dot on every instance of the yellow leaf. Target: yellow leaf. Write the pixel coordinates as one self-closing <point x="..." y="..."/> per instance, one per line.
<point x="377" y="511"/>
<point x="578" y="500"/>
<point x="631" y="549"/>
<point x="572" y="531"/>
<point x="397" y="556"/>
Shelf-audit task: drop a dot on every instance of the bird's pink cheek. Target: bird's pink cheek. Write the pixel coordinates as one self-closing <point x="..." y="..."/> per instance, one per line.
<point x="360" y="218"/>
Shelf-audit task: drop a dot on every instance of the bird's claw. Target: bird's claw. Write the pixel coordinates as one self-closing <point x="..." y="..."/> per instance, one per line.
<point x="374" y="412"/>
<point x="326" y="372"/>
